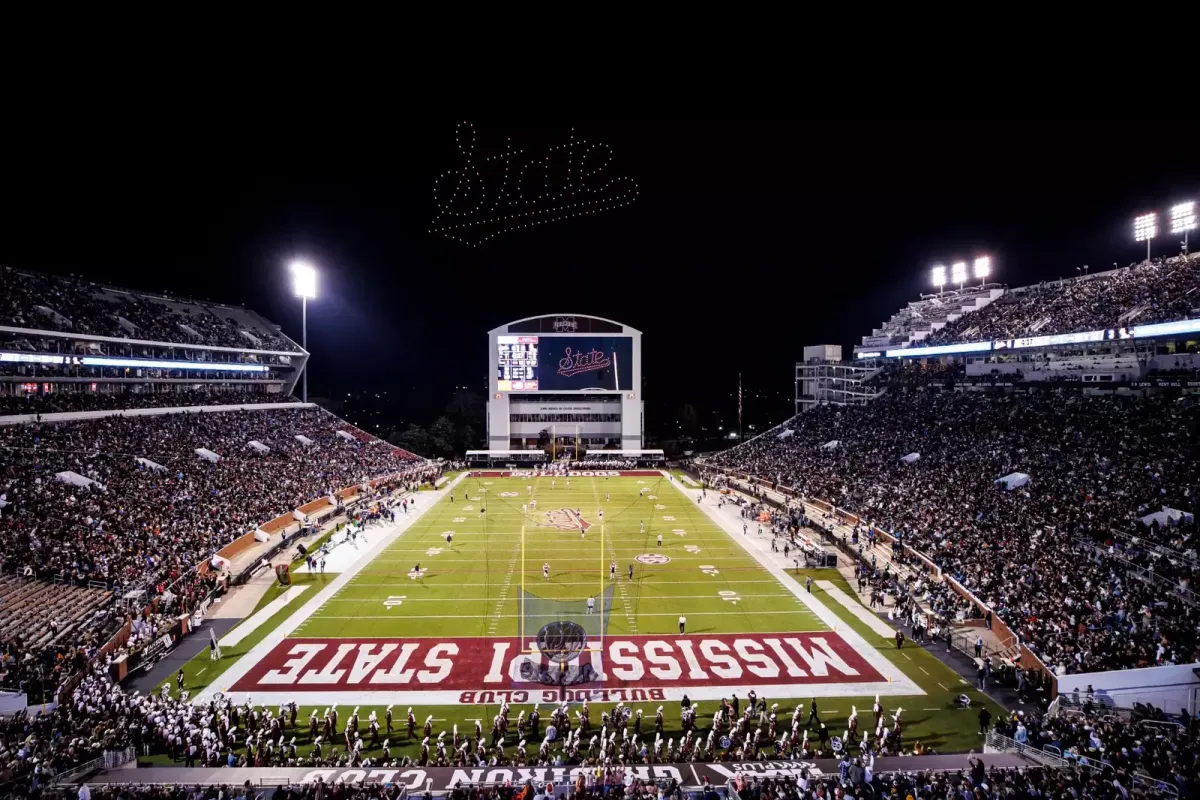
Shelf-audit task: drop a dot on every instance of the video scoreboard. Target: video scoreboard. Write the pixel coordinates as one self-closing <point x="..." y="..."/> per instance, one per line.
<point x="517" y="363"/>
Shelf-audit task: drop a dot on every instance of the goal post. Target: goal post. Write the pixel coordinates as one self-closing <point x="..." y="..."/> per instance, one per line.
<point x="548" y="611"/>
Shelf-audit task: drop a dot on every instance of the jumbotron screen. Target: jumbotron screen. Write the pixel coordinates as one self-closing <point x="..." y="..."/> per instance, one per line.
<point x="564" y="363"/>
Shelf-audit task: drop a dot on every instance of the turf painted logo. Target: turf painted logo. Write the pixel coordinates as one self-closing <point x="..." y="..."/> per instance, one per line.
<point x="561" y="641"/>
<point x="470" y="670"/>
<point x="653" y="558"/>
<point x="565" y="519"/>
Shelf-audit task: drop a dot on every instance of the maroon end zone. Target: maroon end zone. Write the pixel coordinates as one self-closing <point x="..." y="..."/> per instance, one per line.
<point x="625" y="662"/>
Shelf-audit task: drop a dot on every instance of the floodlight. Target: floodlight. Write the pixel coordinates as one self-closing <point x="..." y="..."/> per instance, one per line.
<point x="939" y="276"/>
<point x="304" y="279"/>
<point x="1145" y="227"/>
<point x="983" y="267"/>
<point x="958" y="272"/>
<point x="1183" y="217"/>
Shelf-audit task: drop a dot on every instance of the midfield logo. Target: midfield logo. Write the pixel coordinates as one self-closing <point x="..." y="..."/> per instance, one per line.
<point x="578" y="362"/>
<point x="565" y="519"/>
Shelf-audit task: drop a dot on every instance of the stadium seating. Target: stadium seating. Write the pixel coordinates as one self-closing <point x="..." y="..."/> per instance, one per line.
<point x="119" y="397"/>
<point x="1094" y="464"/>
<point x="1160" y="291"/>
<point x="35" y="301"/>
<point x="37" y="612"/>
<point x="136" y="514"/>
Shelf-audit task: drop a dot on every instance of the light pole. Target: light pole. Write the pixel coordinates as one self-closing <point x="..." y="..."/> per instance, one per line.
<point x="304" y="285"/>
<point x="958" y="273"/>
<point x="939" y="277"/>
<point x="983" y="268"/>
<point x="1145" y="228"/>
<point x="1183" y="219"/>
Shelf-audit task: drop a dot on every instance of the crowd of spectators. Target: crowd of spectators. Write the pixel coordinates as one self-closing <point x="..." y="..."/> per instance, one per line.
<point x="123" y="398"/>
<point x="153" y="507"/>
<point x="47" y="302"/>
<point x="142" y="509"/>
<point x="1094" y="462"/>
<point x="979" y="782"/>
<point x="1160" y="291"/>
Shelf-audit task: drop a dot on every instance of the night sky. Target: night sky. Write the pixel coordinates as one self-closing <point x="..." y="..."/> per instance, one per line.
<point x="747" y="241"/>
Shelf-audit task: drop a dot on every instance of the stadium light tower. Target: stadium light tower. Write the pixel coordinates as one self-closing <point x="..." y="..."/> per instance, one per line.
<point x="1183" y="219"/>
<point x="939" y="277"/>
<point x="983" y="268"/>
<point x="1145" y="228"/>
<point x="304" y="285"/>
<point x="958" y="273"/>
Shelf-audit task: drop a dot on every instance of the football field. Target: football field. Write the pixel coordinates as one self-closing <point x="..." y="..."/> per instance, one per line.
<point x="474" y="584"/>
<point x="484" y="598"/>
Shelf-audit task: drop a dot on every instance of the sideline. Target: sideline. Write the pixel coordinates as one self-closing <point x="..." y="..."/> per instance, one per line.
<point x="262" y="615"/>
<point x="852" y="605"/>
<point x="281" y="632"/>
<point x="897" y="681"/>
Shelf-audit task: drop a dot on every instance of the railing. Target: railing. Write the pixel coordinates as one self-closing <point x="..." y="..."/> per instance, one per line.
<point x="1006" y="745"/>
<point x="1053" y="757"/>
<point x="110" y="759"/>
<point x="1145" y="574"/>
<point x="1169" y="727"/>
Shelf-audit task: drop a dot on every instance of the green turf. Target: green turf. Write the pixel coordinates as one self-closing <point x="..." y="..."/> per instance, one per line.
<point x="463" y="593"/>
<point x="463" y="590"/>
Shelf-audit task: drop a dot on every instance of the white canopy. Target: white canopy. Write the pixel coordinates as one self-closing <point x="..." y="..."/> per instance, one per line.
<point x="831" y="444"/>
<point x="75" y="479"/>
<point x="786" y="433"/>
<point x="1014" y="480"/>
<point x="1168" y="516"/>
<point x="911" y="458"/>
<point x="207" y="455"/>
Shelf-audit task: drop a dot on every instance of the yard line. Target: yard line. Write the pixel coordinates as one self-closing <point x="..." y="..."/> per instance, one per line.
<point x="923" y="669"/>
<point x="474" y="559"/>
<point x="906" y="656"/>
<point x="945" y="688"/>
<point x="622" y="583"/>
<point x="551" y="616"/>
<point x="931" y="709"/>
<point x="783" y="590"/>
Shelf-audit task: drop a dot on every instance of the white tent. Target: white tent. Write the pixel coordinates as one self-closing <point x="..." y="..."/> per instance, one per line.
<point x="148" y="464"/>
<point x="1013" y="480"/>
<point x="207" y="455"/>
<point x="1168" y="516"/>
<point x="911" y="458"/>
<point x="258" y="446"/>
<point x="786" y="433"/>
<point x="304" y="440"/>
<point x="75" y="479"/>
<point x="830" y="444"/>
<point x="344" y="435"/>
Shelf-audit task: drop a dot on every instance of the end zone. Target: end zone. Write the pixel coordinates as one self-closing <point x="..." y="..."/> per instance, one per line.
<point x="629" y="668"/>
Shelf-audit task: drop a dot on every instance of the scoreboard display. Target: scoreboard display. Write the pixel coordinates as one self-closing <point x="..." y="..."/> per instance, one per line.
<point x="517" y="364"/>
<point x="563" y="363"/>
